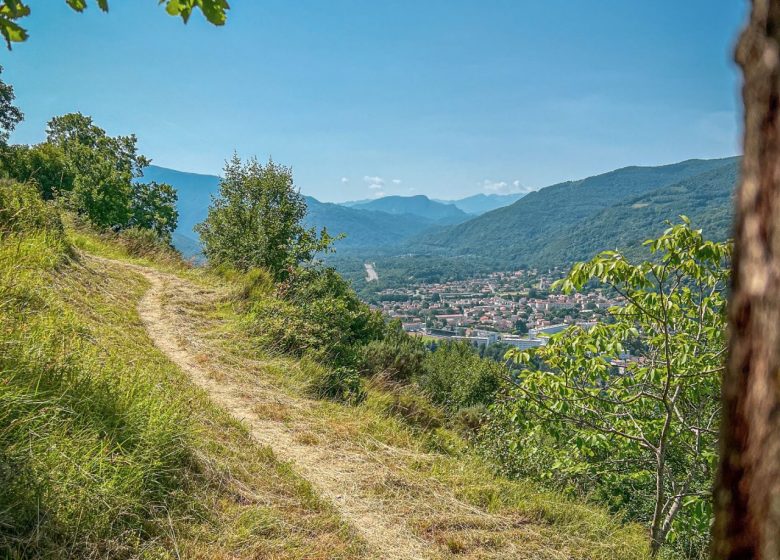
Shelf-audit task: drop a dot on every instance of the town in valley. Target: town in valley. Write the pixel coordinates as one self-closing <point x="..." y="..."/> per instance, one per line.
<point x="518" y="308"/>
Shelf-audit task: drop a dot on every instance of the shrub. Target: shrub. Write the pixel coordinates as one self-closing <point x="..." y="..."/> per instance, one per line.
<point x="341" y="384"/>
<point x="316" y="312"/>
<point x="414" y="408"/>
<point x="45" y="165"/>
<point x="397" y="356"/>
<point x="456" y="377"/>
<point x="23" y="210"/>
<point x="468" y="421"/>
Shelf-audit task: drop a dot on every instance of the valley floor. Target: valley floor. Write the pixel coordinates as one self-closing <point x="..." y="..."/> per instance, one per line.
<point x="404" y="495"/>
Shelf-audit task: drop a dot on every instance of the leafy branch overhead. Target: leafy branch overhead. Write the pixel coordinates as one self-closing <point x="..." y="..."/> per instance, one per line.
<point x="11" y="11"/>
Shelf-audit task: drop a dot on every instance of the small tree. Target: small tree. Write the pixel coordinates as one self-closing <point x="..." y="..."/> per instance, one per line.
<point x="645" y="423"/>
<point x="256" y="220"/>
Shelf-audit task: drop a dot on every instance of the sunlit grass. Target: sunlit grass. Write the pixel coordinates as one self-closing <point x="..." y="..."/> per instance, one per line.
<point x="106" y="449"/>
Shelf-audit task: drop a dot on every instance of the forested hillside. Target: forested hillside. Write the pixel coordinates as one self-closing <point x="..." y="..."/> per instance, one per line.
<point x="540" y="227"/>
<point x="706" y="199"/>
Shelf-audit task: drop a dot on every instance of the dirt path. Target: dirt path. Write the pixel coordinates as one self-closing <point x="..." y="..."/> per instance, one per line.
<point x="342" y="476"/>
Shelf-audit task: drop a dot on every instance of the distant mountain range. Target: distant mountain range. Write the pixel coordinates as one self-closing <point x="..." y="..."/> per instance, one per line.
<point x="475" y="205"/>
<point x="554" y="225"/>
<point x="418" y="205"/>
<point x="379" y="223"/>
<point x="365" y="228"/>
<point x="195" y="192"/>
<point x="480" y="203"/>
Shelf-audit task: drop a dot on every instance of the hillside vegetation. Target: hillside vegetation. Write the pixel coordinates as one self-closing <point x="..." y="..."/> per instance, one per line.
<point x="540" y="227"/>
<point x="108" y="450"/>
<point x="131" y="459"/>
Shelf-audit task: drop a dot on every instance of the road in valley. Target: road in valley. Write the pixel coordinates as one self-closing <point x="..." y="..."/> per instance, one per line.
<point x="371" y="274"/>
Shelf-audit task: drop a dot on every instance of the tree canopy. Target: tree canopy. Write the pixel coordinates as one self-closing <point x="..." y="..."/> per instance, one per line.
<point x="12" y="11"/>
<point x="632" y="403"/>
<point x="257" y="220"/>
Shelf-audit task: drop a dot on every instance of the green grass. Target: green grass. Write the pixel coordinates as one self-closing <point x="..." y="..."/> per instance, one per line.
<point x="430" y="460"/>
<point x="106" y="449"/>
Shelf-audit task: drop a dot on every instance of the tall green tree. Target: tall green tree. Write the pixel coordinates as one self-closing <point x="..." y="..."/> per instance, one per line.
<point x="104" y="168"/>
<point x="105" y="171"/>
<point x="10" y="115"/>
<point x="645" y="424"/>
<point x="13" y="11"/>
<point x="256" y="220"/>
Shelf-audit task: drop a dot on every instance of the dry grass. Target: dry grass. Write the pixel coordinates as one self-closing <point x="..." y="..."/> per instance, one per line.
<point x="385" y="468"/>
<point x="404" y="482"/>
<point x="130" y="460"/>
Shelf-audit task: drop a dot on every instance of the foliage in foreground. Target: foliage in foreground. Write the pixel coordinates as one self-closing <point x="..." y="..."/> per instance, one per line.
<point x="12" y="11"/>
<point x="631" y="406"/>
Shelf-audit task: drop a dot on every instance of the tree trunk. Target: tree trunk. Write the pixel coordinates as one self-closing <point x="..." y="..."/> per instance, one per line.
<point x="747" y="495"/>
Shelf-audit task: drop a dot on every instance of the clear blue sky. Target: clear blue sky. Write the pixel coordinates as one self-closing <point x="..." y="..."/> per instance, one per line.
<point x="441" y="97"/>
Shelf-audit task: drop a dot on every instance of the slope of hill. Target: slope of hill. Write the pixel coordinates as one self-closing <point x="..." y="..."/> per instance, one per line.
<point x="518" y="233"/>
<point x="364" y="229"/>
<point x="481" y="203"/>
<point x="165" y="426"/>
<point x="706" y="199"/>
<point x="419" y="205"/>
<point x="195" y="192"/>
<point x="108" y="449"/>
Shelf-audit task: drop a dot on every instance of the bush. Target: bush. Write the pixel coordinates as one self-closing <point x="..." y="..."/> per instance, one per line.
<point x="341" y="384"/>
<point x="23" y="210"/>
<point x="44" y="165"/>
<point x="316" y="312"/>
<point x="397" y="356"/>
<point x="414" y="408"/>
<point x="456" y="377"/>
<point x="468" y="421"/>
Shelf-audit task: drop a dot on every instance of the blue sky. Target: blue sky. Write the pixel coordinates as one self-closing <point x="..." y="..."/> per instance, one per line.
<point x="440" y="97"/>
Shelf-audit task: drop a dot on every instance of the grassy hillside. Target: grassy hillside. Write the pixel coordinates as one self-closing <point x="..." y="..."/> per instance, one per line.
<point x="520" y="232"/>
<point x="111" y="451"/>
<point x="106" y="448"/>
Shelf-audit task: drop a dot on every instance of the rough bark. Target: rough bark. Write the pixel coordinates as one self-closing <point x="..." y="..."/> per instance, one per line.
<point x="747" y="495"/>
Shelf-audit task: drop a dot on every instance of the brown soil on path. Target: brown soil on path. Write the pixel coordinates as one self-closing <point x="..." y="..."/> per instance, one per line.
<point x="334" y="473"/>
<point x="395" y="511"/>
